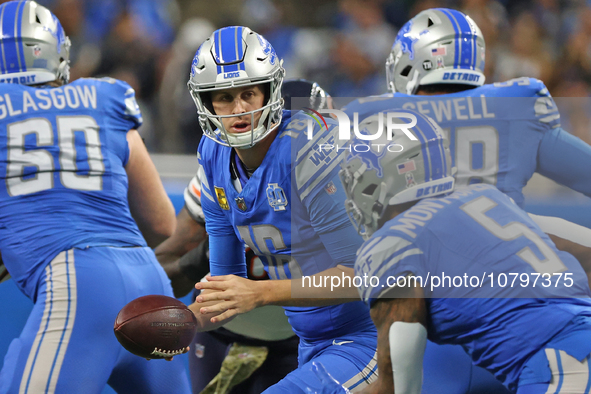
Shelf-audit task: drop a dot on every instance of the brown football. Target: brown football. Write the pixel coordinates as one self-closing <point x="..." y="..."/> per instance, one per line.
<point x="155" y="326"/>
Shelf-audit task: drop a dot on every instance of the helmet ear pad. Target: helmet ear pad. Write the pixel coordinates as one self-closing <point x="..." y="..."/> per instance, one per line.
<point x="266" y="92"/>
<point x="207" y="102"/>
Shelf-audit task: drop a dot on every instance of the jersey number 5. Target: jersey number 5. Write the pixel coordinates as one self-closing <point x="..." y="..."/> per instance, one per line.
<point x="551" y="263"/>
<point x="19" y="181"/>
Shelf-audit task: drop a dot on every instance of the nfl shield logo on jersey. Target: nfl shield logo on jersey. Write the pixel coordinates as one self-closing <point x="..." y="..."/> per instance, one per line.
<point x="330" y="188"/>
<point x="276" y="196"/>
<point x="241" y="203"/>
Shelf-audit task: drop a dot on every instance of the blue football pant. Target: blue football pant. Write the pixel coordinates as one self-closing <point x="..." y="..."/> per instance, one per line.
<point x="447" y="369"/>
<point x="569" y="375"/>
<point x="68" y="345"/>
<point x="563" y="366"/>
<point x="352" y="360"/>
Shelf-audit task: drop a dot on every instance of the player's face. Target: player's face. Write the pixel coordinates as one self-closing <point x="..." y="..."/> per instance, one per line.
<point x="238" y="101"/>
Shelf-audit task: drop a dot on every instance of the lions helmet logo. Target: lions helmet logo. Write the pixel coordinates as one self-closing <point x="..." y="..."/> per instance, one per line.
<point x="406" y="41"/>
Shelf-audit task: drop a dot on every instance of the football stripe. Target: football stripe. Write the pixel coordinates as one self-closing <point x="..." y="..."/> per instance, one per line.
<point x="49" y="348"/>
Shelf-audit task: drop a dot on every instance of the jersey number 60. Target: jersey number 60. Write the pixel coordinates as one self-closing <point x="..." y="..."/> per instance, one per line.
<point x="20" y="182"/>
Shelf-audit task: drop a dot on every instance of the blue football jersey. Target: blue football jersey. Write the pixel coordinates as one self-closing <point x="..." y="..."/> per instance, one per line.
<point x="62" y="157"/>
<point x="499" y="134"/>
<point x="290" y="212"/>
<point x="493" y="281"/>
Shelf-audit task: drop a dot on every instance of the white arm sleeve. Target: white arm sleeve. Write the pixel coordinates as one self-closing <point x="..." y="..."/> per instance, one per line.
<point x="563" y="229"/>
<point x="407" y="348"/>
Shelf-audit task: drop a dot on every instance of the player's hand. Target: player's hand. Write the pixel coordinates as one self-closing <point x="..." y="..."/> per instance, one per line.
<point x="234" y="295"/>
<point x="329" y="384"/>
<point x="170" y="358"/>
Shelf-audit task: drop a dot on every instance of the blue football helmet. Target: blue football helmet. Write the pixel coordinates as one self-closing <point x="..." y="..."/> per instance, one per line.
<point x="439" y="45"/>
<point x="35" y="48"/>
<point x="233" y="57"/>
<point x="380" y="172"/>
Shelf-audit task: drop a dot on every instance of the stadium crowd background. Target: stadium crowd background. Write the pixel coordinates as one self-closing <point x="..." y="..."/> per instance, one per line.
<point x="342" y="44"/>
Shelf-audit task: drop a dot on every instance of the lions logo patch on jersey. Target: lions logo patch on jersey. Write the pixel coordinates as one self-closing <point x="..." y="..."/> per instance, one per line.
<point x="277" y="197"/>
<point x="222" y="200"/>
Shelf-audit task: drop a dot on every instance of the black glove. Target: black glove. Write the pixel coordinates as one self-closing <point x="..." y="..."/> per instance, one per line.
<point x="195" y="263"/>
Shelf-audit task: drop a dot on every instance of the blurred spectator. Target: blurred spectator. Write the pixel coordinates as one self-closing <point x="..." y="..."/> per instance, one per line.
<point x="547" y="13"/>
<point x="357" y="75"/>
<point x="360" y="50"/>
<point x="527" y="53"/>
<point x="340" y="43"/>
<point x="575" y="106"/>
<point x="178" y="118"/>
<point x="491" y="17"/>
<point x="577" y="51"/>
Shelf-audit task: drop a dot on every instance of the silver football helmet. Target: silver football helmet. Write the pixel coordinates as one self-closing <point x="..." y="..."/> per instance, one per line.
<point x="233" y="57"/>
<point x="439" y="45"/>
<point x="384" y="171"/>
<point x="35" y="48"/>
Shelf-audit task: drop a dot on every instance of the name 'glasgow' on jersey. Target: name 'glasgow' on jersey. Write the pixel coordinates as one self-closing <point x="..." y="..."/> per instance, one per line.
<point x="62" y="157"/>
<point x="499" y="134"/>
<point x="482" y="254"/>
<point x="291" y="213"/>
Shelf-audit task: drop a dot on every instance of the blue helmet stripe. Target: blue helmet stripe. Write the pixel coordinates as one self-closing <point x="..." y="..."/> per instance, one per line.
<point x="229" y="47"/>
<point x="426" y="159"/>
<point x="217" y="45"/>
<point x="9" y="37"/>
<point x="19" y="35"/>
<point x="468" y="40"/>
<point x="239" y="45"/>
<point x="231" y="67"/>
<point x="443" y="158"/>
<point x="456" y="42"/>
<point x="463" y="52"/>
<point x="433" y="149"/>
<point x="3" y="62"/>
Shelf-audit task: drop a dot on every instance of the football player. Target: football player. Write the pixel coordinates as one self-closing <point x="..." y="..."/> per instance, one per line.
<point x="185" y="258"/>
<point x="75" y="174"/>
<point x="499" y="133"/>
<point x="266" y="187"/>
<point x="534" y="335"/>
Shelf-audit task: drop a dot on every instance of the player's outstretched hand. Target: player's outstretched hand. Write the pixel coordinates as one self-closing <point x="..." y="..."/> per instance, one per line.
<point x="329" y="384"/>
<point x="232" y="295"/>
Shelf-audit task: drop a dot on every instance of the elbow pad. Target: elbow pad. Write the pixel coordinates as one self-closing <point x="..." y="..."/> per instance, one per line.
<point x="407" y="348"/>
